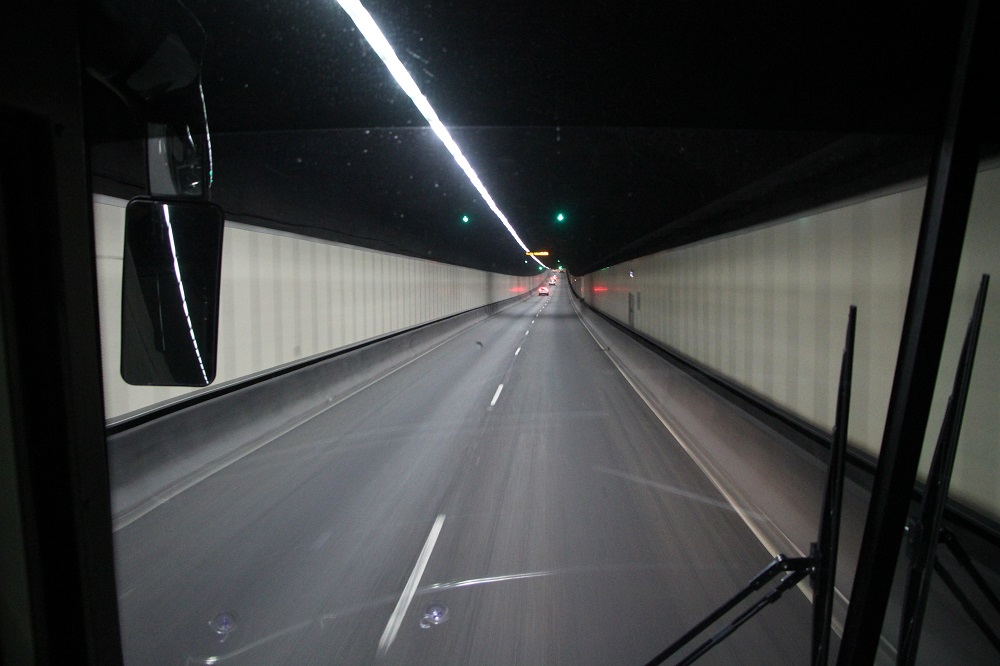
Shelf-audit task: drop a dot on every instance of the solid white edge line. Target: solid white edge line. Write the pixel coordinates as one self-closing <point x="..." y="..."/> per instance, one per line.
<point x="496" y="395"/>
<point x="396" y="619"/>
<point x="763" y="538"/>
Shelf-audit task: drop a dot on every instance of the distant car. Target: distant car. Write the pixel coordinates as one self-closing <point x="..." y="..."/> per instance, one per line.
<point x="543" y="291"/>
<point x="552" y="280"/>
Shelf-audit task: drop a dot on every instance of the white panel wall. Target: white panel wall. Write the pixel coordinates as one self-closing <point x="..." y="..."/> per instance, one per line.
<point x="768" y="308"/>
<point x="286" y="298"/>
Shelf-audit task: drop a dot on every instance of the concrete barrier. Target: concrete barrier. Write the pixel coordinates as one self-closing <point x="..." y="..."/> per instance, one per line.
<point x="154" y="460"/>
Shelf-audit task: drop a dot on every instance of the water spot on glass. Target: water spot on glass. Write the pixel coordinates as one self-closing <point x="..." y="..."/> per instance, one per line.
<point x="417" y="56"/>
<point x="223" y="624"/>
<point x="436" y="613"/>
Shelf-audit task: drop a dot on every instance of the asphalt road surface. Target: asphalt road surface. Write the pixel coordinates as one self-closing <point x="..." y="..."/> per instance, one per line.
<point x="437" y="518"/>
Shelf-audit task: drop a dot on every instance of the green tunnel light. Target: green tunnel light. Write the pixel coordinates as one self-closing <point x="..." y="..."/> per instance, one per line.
<point x="465" y="219"/>
<point x="560" y="217"/>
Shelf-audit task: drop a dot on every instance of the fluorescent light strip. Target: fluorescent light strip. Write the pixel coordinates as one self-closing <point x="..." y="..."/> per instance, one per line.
<point x="366" y="24"/>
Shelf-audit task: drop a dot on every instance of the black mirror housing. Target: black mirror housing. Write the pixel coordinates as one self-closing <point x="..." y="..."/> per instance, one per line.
<point x="171" y="282"/>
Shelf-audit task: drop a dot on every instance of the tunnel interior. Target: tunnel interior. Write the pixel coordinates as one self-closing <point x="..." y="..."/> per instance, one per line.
<point x="553" y="411"/>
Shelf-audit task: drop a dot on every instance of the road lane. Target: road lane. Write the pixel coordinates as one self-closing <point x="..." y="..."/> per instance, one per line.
<point x="577" y="531"/>
<point x="627" y="566"/>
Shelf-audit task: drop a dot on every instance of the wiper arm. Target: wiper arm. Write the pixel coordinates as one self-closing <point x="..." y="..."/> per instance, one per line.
<point x="822" y="561"/>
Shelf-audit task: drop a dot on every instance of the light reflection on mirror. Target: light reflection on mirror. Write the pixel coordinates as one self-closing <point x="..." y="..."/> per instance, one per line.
<point x="170" y="292"/>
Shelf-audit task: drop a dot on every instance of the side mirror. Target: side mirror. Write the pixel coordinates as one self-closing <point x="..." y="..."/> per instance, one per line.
<point x="170" y="292"/>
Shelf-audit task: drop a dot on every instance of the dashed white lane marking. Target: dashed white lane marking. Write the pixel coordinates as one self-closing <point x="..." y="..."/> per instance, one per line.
<point x="396" y="619"/>
<point x="525" y="332"/>
<point x="496" y="395"/>
<point x="518" y="351"/>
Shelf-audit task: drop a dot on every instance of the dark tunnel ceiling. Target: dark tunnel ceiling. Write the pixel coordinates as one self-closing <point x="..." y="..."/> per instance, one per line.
<point x="649" y="125"/>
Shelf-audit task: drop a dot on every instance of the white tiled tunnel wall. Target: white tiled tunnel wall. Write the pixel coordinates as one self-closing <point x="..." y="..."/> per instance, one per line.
<point x="287" y="297"/>
<point x="768" y="309"/>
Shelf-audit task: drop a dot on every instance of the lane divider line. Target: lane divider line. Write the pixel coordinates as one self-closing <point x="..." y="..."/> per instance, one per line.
<point x="396" y="619"/>
<point x="518" y="351"/>
<point x="496" y="395"/>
